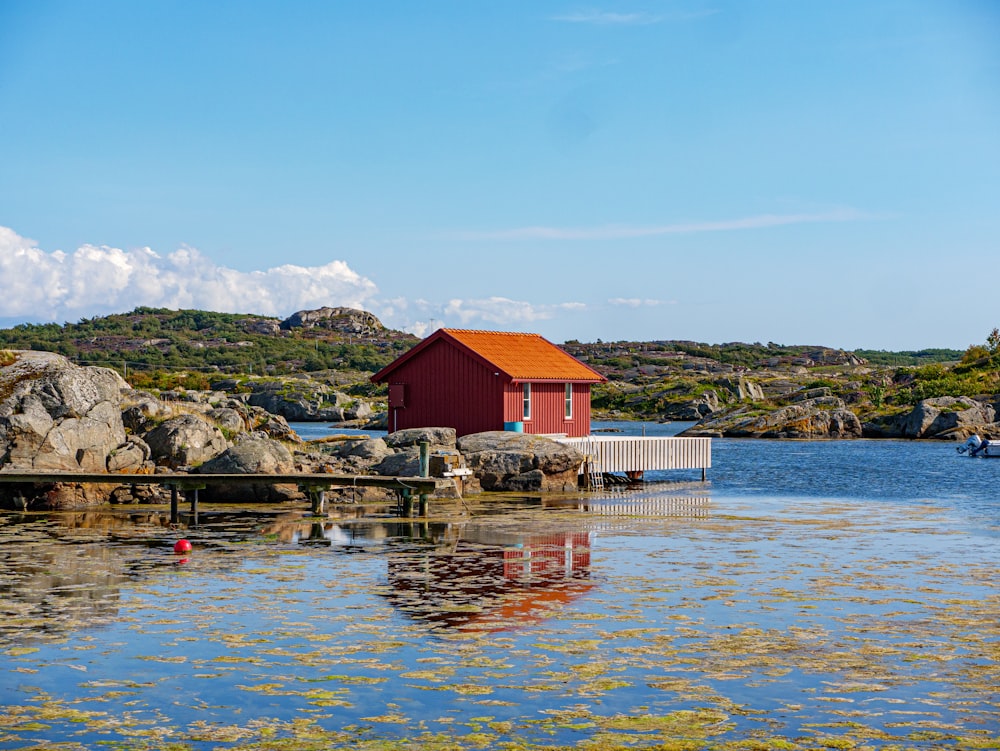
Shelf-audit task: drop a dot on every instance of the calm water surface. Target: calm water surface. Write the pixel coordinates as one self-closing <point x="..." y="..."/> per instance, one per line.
<point x="810" y="595"/>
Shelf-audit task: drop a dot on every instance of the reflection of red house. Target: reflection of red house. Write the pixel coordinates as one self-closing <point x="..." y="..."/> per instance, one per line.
<point x="492" y="587"/>
<point x="475" y="381"/>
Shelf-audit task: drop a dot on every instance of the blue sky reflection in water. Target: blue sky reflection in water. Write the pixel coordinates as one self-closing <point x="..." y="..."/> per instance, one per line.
<point x="752" y="610"/>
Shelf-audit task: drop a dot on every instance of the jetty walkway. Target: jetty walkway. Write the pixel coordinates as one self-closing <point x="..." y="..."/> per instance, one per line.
<point x="634" y="455"/>
<point x="314" y="484"/>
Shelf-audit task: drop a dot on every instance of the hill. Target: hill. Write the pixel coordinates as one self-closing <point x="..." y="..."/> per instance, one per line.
<point x="156" y="348"/>
<point x="169" y="348"/>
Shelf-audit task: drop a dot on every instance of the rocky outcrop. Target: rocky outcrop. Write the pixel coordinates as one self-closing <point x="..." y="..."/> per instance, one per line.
<point x="705" y="404"/>
<point x="945" y="417"/>
<point x="741" y="389"/>
<point x="504" y="460"/>
<point x="823" y="417"/>
<point x="349" y="321"/>
<point x="298" y="400"/>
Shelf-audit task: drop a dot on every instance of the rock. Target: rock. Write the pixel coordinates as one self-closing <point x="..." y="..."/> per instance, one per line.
<point x="941" y="417"/>
<point x="371" y="449"/>
<point x="298" y="400"/>
<point x="278" y="428"/>
<point x="251" y="455"/>
<point x="436" y="437"/>
<point x="804" y="395"/>
<point x="360" y="410"/>
<point x="347" y="321"/>
<point x="132" y="456"/>
<point x="824" y="417"/>
<point x="228" y="419"/>
<point x="140" y="410"/>
<point x="185" y="440"/>
<point x="403" y="463"/>
<point x="695" y="409"/>
<point x="741" y="388"/>
<point x="55" y="415"/>
<point x="503" y="460"/>
<point x="378" y="421"/>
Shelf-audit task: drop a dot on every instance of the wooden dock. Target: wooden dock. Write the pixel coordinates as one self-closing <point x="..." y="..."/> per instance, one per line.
<point x="314" y="484"/>
<point x="634" y="455"/>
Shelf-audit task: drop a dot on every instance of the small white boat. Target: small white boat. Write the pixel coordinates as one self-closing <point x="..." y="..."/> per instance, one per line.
<point x="976" y="446"/>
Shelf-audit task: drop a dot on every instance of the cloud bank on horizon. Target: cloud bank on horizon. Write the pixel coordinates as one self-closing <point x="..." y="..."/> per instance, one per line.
<point x="40" y="286"/>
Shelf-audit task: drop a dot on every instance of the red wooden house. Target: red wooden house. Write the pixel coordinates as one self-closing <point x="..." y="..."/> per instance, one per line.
<point x="475" y="381"/>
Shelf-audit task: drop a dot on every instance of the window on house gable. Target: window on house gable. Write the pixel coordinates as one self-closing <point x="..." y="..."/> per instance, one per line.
<point x="569" y="401"/>
<point x="527" y="401"/>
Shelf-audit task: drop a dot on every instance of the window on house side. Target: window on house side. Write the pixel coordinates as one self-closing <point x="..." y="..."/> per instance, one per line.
<point x="527" y="401"/>
<point x="569" y="401"/>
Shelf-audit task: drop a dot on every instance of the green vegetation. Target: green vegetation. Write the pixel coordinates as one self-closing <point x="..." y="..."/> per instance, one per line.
<point x="909" y="357"/>
<point x="164" y="348"/>
<point x="160" y="350"/>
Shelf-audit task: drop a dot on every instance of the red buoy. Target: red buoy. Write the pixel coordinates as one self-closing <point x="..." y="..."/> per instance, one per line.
<point x="182" y="546"/>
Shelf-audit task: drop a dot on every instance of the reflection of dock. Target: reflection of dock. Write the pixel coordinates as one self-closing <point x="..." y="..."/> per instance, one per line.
<point x="617" y="504"/>
<point x="634" y="455"/>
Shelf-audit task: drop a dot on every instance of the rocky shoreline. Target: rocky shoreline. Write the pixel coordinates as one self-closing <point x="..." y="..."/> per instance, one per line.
<point x="57" y="416"/>
<point x="817" y="414"/>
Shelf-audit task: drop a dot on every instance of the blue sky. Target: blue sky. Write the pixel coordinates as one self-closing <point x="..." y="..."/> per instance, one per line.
<point x="801" y="172"/>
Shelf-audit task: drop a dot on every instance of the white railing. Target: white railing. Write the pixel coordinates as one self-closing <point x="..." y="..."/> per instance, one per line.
<point x="642" y="454"/>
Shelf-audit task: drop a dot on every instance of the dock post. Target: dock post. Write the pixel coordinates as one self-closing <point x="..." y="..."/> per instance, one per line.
<point x="174" y="516"/>
<point x="704" y="474"/>
<point x="192" y="494"/>
<point x="407" y="503"/>
<point x="318" y="498"/>
<point x="425" y="471"/>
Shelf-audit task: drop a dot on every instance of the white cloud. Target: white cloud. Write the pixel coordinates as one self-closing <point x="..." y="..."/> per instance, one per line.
<point x="622" y="232"/>
<point x="635" y="302"/>
<point x="93" y="280"/>
<point x="503" y="311"/>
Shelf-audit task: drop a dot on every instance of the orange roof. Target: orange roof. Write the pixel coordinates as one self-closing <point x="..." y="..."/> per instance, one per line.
<point x="527" y="357"/>
<point x="521" y="357"/>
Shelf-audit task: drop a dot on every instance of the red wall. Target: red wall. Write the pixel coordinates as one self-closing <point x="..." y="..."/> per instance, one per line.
<point x="446" y="388"/>
<point x="548" y="408"/>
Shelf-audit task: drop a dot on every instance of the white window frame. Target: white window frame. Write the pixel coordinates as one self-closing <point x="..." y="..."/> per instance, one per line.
<point x="568" y="402"/>
<point x="526" y="400"/>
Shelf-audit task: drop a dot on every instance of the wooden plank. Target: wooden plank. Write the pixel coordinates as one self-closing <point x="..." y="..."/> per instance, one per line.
<point x="313" y="480"/>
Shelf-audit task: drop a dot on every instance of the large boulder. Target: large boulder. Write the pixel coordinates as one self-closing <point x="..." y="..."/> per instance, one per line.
<point x="945" y="417"/>
<point x="252" y="454"/>
<point x="58" y="416"/>
<point x="436" y="437"/>
<point x="185" y="440"/>
<point x="503" y="460"/>
<point x="946" y="414"/>
<point x="402" y="463"/>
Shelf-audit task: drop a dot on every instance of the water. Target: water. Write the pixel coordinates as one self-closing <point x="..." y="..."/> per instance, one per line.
<point x="811" y="594"/>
